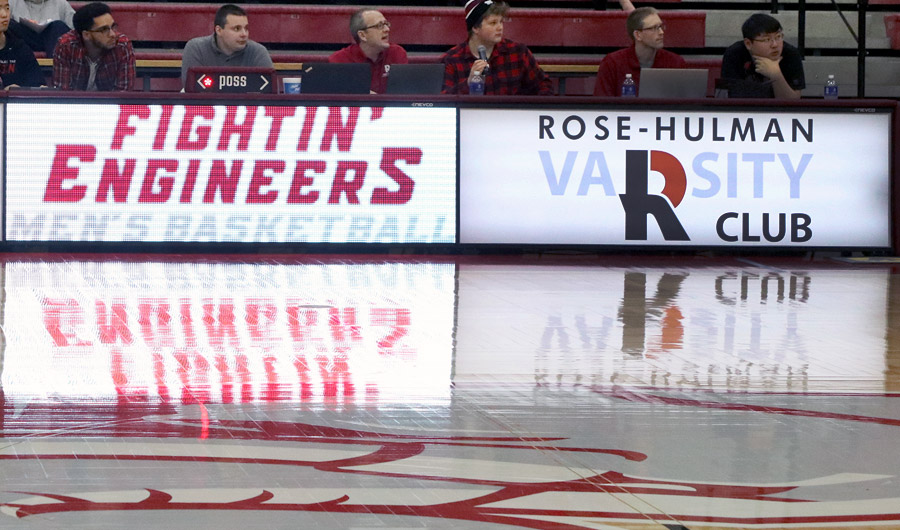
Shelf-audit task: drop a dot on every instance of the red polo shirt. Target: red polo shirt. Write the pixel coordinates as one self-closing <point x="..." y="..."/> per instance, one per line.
<point x="615" y="65"/>
<point x="380" y="67"/>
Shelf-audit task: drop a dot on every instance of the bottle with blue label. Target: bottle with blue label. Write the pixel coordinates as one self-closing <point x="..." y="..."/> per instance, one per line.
<point x="629" y="89"/>
<point x="831" y="88"/>
<point x="476" y="84"/>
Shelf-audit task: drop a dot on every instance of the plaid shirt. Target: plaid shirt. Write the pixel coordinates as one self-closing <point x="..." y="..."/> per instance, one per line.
<point x="115" y="68"/>
<point x="513" y="71"/>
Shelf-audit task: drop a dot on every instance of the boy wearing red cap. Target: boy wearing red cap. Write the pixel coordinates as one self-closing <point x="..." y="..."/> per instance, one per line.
<point x="508" y="67"/>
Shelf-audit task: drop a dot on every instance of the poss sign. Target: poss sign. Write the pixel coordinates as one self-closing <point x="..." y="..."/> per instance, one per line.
<point x="230" y="79"/>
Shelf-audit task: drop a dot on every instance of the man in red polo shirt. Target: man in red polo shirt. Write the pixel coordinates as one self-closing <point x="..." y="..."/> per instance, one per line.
<point x="371" y="31"/>
<point x="647" y="30"/>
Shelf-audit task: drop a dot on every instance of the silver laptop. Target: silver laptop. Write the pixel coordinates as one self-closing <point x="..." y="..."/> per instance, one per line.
<point x="673" y="83"/>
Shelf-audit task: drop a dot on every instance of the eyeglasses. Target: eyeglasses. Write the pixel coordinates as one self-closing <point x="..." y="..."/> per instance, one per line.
<point x="106" y="30"/>
<point x="778" y="37"/>
<point x="380" y="26"/>
<point x="657" y="28"/>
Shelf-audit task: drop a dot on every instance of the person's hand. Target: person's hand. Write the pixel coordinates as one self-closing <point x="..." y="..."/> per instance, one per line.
<point x="767" y="67"/>
<point x="34" y="25"/>
<point x="626" y="6"/>
<point x="7" y="87"/>
<point x="479" y="67"/>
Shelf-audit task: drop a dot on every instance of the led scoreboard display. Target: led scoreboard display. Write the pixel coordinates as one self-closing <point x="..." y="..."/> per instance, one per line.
<point x="231" y="174"/>
<point x="443" y="171"/>
<point x="725" y="177"/>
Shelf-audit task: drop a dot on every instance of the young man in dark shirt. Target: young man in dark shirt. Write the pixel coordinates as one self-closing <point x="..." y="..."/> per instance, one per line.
<point x="18" y="67"/>
<point x="763" y="65"/>
<point x="229" y="44"/>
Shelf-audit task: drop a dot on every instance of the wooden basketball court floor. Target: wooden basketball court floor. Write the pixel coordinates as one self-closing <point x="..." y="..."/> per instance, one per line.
<point x="354" y="392"/>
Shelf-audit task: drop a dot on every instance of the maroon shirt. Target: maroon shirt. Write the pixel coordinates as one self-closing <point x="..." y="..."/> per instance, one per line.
<point x="380" y="67"/>
<point x="615" y="65"/>
<point x="513" y="71"/>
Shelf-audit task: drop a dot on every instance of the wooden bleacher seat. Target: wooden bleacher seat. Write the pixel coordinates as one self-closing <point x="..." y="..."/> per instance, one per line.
<point x="587" y="29"/>
<point x="574" y="74"/>
<point x="299" y="25"/>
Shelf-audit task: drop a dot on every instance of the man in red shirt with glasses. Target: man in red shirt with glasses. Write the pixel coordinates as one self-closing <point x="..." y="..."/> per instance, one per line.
<point x="647" y="31"/>
<point x="94" y="55"/>
<point x="371" y="33"/>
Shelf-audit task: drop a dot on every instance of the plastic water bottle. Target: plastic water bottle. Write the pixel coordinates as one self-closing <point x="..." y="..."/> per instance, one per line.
<point x="629" y="90"/>
<point x="831" y="88"/>
<point x="476" y="84"/>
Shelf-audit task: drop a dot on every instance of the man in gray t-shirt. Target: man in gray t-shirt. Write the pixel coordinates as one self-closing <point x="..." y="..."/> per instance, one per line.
<point x="229" y="45"/>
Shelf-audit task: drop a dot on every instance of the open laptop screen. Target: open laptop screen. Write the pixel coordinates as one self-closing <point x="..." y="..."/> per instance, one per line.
<point x="415" y="79"/>
<point x="336" y="78"/>
<point x="673" y="83"/>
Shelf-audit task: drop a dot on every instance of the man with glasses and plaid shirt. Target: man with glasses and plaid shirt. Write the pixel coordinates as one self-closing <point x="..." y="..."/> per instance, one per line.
<point x="763" y="65"/>
<point x="647" y="31"/>
<point x="371" y="33"/>
<point x="94" y="56"/>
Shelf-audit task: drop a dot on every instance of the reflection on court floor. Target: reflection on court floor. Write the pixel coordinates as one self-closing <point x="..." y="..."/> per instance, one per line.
<point x="229" y="333"/>
<point x="558" y="393"/>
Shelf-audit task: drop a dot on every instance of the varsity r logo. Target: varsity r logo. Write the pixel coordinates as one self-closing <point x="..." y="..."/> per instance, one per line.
<point x="638" y="204"/>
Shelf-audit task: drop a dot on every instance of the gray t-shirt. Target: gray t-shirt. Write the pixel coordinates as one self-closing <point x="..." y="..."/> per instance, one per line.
<point x="202" y="51"/>
<point x="43" y="11"/>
